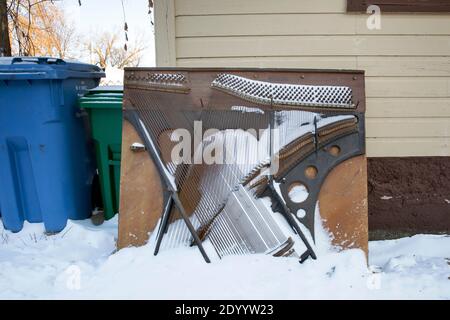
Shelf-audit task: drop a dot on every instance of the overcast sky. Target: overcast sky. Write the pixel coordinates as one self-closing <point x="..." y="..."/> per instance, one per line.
<point x="96" y="16"/>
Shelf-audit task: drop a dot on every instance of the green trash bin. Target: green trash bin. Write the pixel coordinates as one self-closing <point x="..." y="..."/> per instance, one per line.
<point x="104" y="107"/>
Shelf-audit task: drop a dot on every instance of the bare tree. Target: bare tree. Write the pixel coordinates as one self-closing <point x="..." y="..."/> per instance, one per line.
<point x="39" y="27"/>
<point x="105" y="50"/>
<point x="57" y="36"/>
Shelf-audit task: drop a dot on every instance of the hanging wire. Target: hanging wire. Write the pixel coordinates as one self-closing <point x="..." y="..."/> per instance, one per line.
<point x="150" y="6"/>
<point x="125" y="26"/>
<point x="150" y="11"/>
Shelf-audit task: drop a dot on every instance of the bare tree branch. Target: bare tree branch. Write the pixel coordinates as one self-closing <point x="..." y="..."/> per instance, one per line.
<point x="38" y="27"/>
<point x="108" y="51"/>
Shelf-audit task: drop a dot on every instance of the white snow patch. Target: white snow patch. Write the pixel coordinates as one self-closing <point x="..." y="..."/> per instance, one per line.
<point x="328" y="120"/>
<point x="300" y="213"/>
<point x="245" y="109"/>
<point x="298" y="193"/>
<point x="386" y="198"/>
<point x="79" y="263"/>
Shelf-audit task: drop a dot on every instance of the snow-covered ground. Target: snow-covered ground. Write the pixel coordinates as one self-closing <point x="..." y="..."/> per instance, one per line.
<point x="79" y="263"/>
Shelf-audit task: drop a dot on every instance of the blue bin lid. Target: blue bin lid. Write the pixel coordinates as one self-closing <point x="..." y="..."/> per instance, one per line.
<point x="33" y="68"/>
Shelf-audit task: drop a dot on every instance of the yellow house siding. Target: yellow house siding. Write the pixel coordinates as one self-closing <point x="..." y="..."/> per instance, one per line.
<point x="165" y="33"/>
<point x="407" y="62"/>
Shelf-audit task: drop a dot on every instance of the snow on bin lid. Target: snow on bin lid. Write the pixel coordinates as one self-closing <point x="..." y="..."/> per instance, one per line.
<point x="23" y="68"/>
<point x="108" y="89"/>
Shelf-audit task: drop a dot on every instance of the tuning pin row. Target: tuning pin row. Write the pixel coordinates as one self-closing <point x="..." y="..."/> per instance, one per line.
<point x="284" y="94"/>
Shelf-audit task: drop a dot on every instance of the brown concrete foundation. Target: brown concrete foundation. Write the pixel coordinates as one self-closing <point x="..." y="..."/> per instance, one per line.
<point x="408" y="196"/>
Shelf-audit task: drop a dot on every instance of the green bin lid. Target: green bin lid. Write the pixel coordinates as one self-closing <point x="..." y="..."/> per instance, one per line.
<point x="101" y="100"/>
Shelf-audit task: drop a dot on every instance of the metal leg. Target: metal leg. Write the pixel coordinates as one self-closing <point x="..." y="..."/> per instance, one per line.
<point x="164" y="223"/>
<point x="167" y="180"/>
<point x="190" y="227"/>
<point x="309" y="250"/>
<point x="286" y="212"/>
<point x="287" y="215"/>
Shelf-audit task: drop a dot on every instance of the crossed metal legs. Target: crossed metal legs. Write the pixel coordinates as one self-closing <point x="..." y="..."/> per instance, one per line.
<point x="172" y="199"/>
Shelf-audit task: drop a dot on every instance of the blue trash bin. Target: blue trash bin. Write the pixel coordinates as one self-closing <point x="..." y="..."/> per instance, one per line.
<point x="46" y="164"/>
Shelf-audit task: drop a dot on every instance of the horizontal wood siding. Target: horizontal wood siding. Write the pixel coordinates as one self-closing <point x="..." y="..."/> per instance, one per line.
<point x="407" y="61"/>
<point x="312" y="45"/>
<point x="309" y="24"/>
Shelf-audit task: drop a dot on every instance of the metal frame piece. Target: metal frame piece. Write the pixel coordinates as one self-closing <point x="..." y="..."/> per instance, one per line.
<point x="323" y="160"/>
<point x="223" y="199"/>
